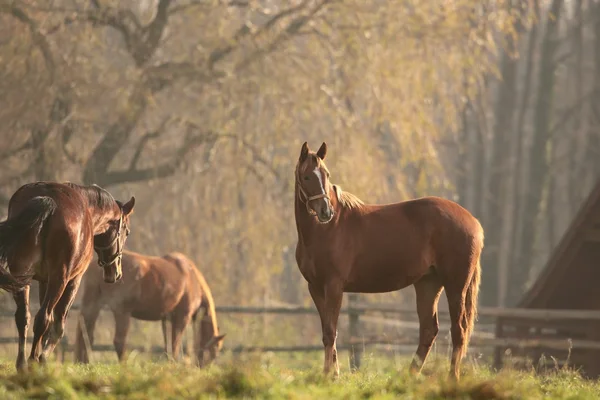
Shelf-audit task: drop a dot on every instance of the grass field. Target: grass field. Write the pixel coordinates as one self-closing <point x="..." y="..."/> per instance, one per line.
<point x="278" y="378"/>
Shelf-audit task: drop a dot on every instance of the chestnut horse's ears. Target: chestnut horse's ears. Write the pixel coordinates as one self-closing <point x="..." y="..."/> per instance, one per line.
<point x="322" y="152"/>
<point x="304" y="152"/>
<point x="128" y="207"/>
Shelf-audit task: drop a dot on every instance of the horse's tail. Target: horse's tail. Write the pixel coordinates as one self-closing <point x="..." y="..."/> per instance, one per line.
<point x="31" y="218"/>
<point x="471" y="299"/>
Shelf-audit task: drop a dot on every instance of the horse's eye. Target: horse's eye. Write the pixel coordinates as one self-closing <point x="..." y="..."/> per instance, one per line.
<point x="306" y="177"/>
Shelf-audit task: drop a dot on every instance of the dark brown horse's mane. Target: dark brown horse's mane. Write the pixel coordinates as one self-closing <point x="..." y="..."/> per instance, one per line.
<point x="96" y="196"/>
<point x="347" y="199"/>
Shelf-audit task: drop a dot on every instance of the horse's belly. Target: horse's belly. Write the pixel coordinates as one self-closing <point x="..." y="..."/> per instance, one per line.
<point x="376" y="286"/>
<point x="148" y="315"/>
<point x="381" y="278"/>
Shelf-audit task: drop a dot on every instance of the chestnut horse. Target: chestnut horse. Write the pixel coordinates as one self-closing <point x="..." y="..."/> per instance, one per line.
<point x="152" y="289"/>
<point x="48" y="236"/>
<point x="345" y="245"/>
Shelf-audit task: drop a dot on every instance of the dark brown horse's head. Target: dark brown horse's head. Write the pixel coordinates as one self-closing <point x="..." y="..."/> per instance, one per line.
<point x="312" y="179"/>
<point x="110" y="244"/>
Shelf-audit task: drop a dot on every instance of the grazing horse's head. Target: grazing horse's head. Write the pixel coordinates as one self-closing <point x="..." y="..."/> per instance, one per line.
<point x="312" y="179"/>
<point x="109" y="245"/>
<point x="212" y="345"/>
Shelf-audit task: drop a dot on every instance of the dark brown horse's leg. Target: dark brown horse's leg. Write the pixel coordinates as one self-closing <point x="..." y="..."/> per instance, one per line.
<point x="57" y="329"/>
<point x="22" y="317"/>
<point x="428" y="290"/>
<point x="122" y="321"/>
<point x="328" y="301"/>
<point x="54" y="291"/>
<point x="41" y="296"/>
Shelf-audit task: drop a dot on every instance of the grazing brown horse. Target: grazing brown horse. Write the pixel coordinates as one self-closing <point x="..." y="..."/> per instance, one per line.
<point x="152" y="289"/>
<point x="345" y="245"/>
<point x="49" y="235"/>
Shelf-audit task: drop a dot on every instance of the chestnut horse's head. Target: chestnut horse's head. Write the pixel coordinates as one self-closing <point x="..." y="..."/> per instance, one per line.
<point x="312" y="179"/>
<point x="212" y="345"/>
<point x="110" y="244"/>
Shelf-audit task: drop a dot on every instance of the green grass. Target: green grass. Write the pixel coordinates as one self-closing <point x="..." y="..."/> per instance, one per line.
<point x="278" y="378"/>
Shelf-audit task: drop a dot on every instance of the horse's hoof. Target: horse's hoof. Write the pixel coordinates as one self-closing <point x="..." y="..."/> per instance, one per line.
<point x="42" y="359"/>
<point x="22" y="365"/>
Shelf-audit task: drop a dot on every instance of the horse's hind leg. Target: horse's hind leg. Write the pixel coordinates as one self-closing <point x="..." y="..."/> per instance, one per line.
<point x="61" y="311"/>
<point x="54" y="291"/>
<point x="428" y="290"/>
<point x="22" y="317"/>
<point x="458" y="291"/>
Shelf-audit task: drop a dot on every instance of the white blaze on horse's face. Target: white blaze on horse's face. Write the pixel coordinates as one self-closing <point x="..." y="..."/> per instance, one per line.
<point x="317" y="172"/>
<point x="323" y="206"/>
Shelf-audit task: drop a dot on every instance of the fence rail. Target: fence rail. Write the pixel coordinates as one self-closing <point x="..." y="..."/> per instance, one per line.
<point x="356" y="343"/>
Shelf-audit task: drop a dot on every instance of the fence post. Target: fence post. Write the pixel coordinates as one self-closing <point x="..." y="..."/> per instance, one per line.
<point x="354" y="328"/>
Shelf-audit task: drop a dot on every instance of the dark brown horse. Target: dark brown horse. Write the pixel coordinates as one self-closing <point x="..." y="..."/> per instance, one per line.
<point x="152" y="289"/>
<point x="49" y="235"/>
<point x="345" y="245"/>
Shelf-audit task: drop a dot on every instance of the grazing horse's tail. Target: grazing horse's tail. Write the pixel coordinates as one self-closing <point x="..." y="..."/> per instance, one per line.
<point x="12" y="231"/>
<point x="472" y="295"/>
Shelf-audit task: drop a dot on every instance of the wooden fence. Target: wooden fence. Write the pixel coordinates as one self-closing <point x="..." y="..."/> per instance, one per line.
<point x="484" y="336"/>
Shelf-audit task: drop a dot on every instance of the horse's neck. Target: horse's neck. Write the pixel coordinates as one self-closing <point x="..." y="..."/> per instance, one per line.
<point x="101" y="217"/>
<point x="307" y="225"/>
<point x="209" y="324"/>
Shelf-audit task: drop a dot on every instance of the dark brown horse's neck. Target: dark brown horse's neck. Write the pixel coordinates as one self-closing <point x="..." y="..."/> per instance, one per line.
<point x="102" y="206"/>
<point x="307" y="224"/>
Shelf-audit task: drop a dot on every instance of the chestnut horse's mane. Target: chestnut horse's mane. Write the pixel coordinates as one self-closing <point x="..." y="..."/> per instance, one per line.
<point x="96" y="195"/>
<point x="347" y="199"/>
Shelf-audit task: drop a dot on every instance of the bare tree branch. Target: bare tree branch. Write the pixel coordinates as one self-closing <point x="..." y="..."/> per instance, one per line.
<point x="164" y="170"/>
<point x="145" y="139"/>
<point x="38" y="38"/>
<point x="291" y="28"/>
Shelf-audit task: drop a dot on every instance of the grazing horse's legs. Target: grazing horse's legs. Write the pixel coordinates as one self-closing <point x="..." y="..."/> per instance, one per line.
<point x="57" y="329"/>
<point x="122" y="320"/>
<point x="180" y="318"/>
<point x="89" y="315"/>
<point x="428" y="290"/>
<point x="54" y="290"/>
<point x="328" y="301"/>
<point x="22" y="317"/>
<point x="164" y="332"/>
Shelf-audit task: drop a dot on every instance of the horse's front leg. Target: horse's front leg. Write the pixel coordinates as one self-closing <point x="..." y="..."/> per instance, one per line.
<point x="22" y="317"/>
<point x="328" y="300"/>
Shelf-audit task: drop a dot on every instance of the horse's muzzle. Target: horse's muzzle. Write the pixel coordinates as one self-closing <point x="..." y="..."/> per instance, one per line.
<point x="112" y="274"/>
<point x="326" y="215"/>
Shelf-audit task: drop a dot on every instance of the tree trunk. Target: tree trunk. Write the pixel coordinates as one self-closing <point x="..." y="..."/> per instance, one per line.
<point x="520" y="181"/>
<point x="593" y="147"/>
<point x="538" y="162"/>
<point x="499" y="182"/>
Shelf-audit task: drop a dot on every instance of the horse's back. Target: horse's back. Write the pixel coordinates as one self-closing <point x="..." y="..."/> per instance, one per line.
<point x="196" y="284"/>
<point x="441" y="213"/>
<point x="401" y="241"/>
